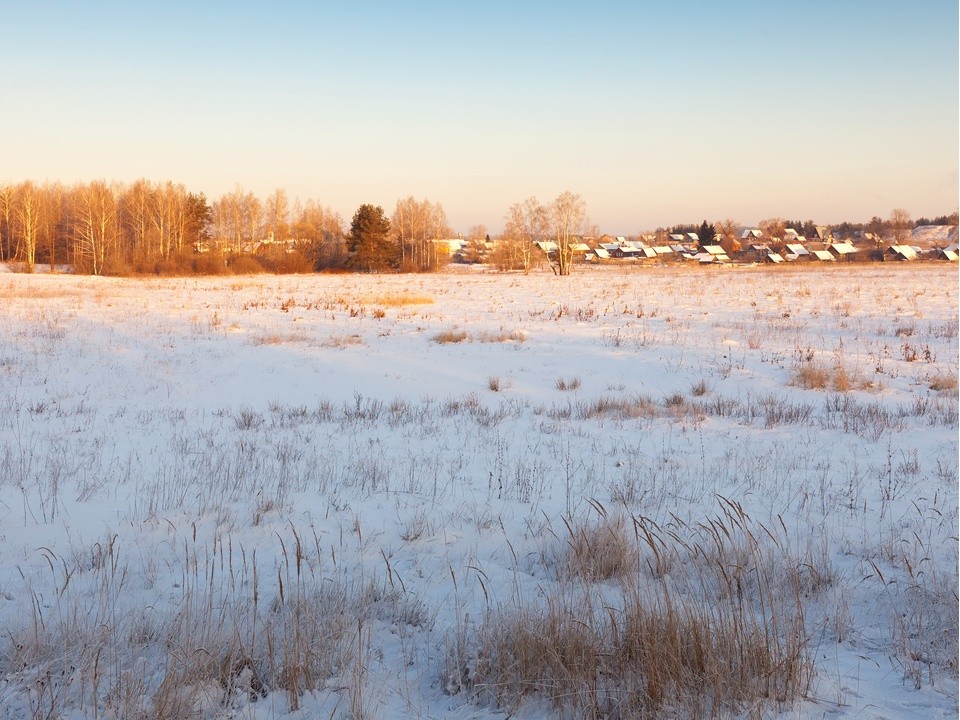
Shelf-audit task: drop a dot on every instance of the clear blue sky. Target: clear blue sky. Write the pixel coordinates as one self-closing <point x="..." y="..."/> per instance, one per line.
<point x="656" y="113"/>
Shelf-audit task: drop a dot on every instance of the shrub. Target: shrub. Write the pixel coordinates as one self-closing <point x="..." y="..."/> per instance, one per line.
<point x="245" y="265"/>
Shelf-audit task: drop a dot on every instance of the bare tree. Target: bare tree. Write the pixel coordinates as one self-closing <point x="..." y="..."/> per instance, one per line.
<point x="52" y="230"/>
<point x="7" y="204"/>
<point x="900" y="223"/>
<point x="27" y="208"/>
<point x="568" y="215"/>
<point x="726" y="232"/>
<point x="525" y="223"/>
<point x="477" y="243"/>
<point x="277" y="214"/>
<point x="773" y="230"/>
<point x="135" y="213"/>
<point x="418" y="224"/>
<point x="95" y="226"/>
<point x="322" y="230"/>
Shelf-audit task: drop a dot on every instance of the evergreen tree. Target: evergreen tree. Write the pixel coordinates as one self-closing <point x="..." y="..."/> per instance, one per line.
<point x="368" y="240"/>
<point x="706" y="233"/>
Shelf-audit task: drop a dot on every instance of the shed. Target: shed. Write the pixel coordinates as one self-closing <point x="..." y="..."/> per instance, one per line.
<point x="824" y="255"/>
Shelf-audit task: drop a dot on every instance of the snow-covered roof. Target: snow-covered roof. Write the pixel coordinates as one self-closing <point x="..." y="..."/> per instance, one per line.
<point x="797" y="249"/>
<point x="843" y="248"/>
<point x="752" y="233"/>
<point x="904" y="251"/>
<point x="823" y="255"/>
<point x="602" y="253"/>
<point x="663" y="249"/>
<point x="774" y="258"/>
<point x="714" y="249"/>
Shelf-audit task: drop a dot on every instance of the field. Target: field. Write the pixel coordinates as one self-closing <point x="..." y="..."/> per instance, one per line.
<point x="690" y="492"/>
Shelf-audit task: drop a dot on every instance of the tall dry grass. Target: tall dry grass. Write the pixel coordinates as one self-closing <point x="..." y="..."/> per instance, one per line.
<point x="706" y="621"/>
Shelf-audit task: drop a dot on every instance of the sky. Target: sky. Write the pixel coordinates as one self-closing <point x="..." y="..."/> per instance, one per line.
<point x="655" y="113"/>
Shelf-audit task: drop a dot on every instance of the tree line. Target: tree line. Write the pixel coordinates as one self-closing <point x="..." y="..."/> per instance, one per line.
<point x="149" y="227"/>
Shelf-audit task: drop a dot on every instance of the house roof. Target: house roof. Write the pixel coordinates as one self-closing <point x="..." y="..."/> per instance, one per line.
<point x="797" y="249"/>
<point x="823" y="255"/>
<point x="843" y="248"/>
<point x="714" y="249"/>
<point x="602" y="253"/>
<point x="774" y="257"/>
<point x="949" y="255"/>
<point x="904" y="251"/>
<point x="752" y="233"/>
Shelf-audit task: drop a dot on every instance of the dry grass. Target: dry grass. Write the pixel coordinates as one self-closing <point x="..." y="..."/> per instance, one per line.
<point x="620" y="408"/>
<point x="99" y="654"/>
<point x="502" y="336"/>
<point x="716" y="634"/>
<point x="277" y="338"/>
<point x="450" y="336"/>
<point x="813" y="375"/>
<point x="944" y="383"/>
<point x="565" y="384"/>
<point x="602" y="551"/>
<point x="496" y="384"/>
<point x="395" y="300"/>
<point x="342" y="341"/>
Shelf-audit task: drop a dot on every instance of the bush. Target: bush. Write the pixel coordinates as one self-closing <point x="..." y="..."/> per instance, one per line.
<point x="245" y="265"/>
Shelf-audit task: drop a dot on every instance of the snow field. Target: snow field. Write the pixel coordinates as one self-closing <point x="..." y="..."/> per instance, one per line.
<point x="421" y="496"/>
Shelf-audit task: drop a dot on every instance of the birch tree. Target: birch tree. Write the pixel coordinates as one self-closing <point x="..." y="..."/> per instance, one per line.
<point x="95" y="226"/>
<point x="27" y="208"/>
<point x="418" y="224"/>
<point x="568" y="216"/>
<point x="525" y="223"/>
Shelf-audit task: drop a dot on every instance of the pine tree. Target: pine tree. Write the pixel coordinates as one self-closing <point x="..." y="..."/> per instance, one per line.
<point x="368" y="241"/>
<point x="706" y="233"/>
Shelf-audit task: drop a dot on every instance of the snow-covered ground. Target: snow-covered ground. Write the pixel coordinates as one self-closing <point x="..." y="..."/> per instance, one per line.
<point x="339" y="476"/>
